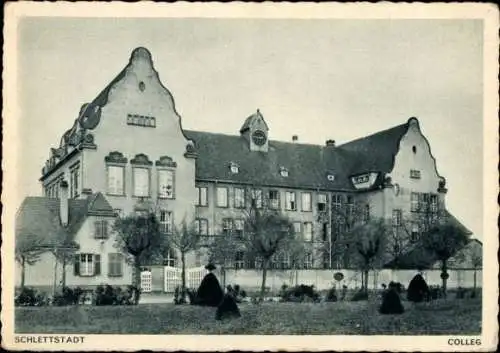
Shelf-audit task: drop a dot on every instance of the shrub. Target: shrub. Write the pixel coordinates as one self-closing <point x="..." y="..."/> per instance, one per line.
<point x="299" y="294"/>
<point x="398" y="287"/>
<point x="331" y="296"/>
<point x="461" y="292"/>
<point x="359" y="296"/>
<point x="343" y="293"/>
<point x="68" y="296"/>
<point x="417" y="289"/>
<point x="108" y="295"/>
<point x="30" y="297"/>
<point x="391" y="303"/>
<point x="180" y="295"/>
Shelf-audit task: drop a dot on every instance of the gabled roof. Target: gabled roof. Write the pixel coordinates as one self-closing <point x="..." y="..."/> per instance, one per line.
<point x="308" y="165"/>
<point x="38" y="219"/>
<point x="375" y="152"/>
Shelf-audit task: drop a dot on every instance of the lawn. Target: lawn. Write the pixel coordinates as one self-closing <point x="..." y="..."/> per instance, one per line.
<point x="342" y="318"/>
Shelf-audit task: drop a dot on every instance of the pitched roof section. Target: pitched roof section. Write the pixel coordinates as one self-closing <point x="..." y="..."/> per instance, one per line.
<point x="38" y="219"/>
<point x="375" y="152"/>
<point x="308" y="165"/>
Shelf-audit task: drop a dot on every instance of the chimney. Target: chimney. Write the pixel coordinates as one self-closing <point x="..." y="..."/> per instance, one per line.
<point x="295" y="138"/>
<point x="63" y="203"/>
<point x="86" y="191"/>
<point x="330" y="143"/>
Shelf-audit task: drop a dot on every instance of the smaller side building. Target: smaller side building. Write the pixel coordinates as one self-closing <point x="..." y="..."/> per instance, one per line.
<point x="47" y="224"/>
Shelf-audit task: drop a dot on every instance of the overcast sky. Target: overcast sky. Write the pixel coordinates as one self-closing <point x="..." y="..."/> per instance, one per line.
<point x="319" y="79"/>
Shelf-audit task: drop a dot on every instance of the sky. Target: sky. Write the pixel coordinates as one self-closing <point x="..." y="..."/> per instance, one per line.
<point x="318" y="79"/>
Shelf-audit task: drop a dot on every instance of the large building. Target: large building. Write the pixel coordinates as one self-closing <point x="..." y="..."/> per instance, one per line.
<point x="128" y="144"/>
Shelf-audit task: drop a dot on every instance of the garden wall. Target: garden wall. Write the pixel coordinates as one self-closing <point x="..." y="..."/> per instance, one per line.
<point x="323" y="279"/>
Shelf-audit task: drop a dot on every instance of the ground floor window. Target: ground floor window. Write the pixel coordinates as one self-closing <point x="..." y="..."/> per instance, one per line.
<point x="115" y="265"/>
<point x="87" y="265"/>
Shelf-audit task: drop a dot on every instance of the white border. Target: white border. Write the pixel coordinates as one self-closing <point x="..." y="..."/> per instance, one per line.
<point x="487" y="12"/>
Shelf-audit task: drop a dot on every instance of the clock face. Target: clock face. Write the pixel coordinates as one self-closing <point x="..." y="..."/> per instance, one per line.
<point x="259" y="138"/>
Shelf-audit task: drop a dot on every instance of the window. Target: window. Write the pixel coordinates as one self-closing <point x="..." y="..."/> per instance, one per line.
<point x="234" y="168"/>
<point x="141" y="120"/>
<point x="73" y="181"/>
<point x="101" y="229"/>
<point x="201" y="226"/>
<point x="201" y="196"/>
<point x="283" y="172"/>
<point x="336" y="201"/>
<point x="366" y="213"/>
<point x="414" y="174"/>
<point x="434" y="203"/>
<point x="87" y="265"/>
<point x="308" y="231"/>
<point x="414" y="202"/>
<point x="321" y="202"/>
<point x="308" y="261"/>
<point x="115" y="180"/>
<point x="227" y="226"/>
<point x="141" y="182"/>
<point x="166" y="184"/>
<point x="239" y="261"/>
<point x="170" y="259"/>
<point x="274" y="199"/>
<point x="197" y="259"/>
<point x="257" y="198"/>
<point x="239" y="227"/>
<point x="424" y="202"/>
<point x="290" y="204"/>
<point x="396" y="218"/>
<point x="222" y="197"/>
<point x="239" y="198"/>
<point x="415" y="230"/>
<point x="306" y="201"/>
<point x="297" y="227"/>
<point x="166" y="222"/>
<point x="324" y="231"/>
<point x="115" y="265"/>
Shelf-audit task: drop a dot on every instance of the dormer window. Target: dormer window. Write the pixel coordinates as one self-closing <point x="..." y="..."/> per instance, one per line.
<point x="330" y="177"/>
<point x="283" y="172"/>
<point x="234" y="168"/>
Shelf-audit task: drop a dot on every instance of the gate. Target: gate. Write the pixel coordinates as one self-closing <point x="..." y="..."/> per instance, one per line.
<point x="146" y="281"/>
<point x="173" y="277"/>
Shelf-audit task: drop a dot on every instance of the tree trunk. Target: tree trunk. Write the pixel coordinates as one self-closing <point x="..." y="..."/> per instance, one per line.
<point x="23" y="272"/>
<point x="183" y="278"/>
<point x="444" y="268"/>
<point x="365" y="284"/>
<point x="137" y="280"/>
<point x="55" y="275"/>
<point x="63" y="275"/>
<point x="264" y="275"/>
<point x="223" y="273"/>
<point x="475" y="281"/>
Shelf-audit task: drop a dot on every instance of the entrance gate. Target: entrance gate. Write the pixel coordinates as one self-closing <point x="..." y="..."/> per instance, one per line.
<point x="173" y="277"/>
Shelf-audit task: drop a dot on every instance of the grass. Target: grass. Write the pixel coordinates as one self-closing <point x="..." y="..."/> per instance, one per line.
<point x="443" y="317"/>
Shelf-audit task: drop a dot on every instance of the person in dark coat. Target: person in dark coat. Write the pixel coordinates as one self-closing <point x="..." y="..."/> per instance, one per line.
<point x="391" y="303"/>
<point x="417" y="289"/>
<point x="228" y="308"/>
<point x="210" y="292"/>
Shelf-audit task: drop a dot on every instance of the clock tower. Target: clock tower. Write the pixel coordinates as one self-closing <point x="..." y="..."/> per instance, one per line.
<point x="255" y="131"/>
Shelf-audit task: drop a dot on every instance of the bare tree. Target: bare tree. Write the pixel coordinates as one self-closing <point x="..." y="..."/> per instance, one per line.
<point x="442" y="241"/>
<point x="27" y="253"/>
<point x="64" y="255"/>
<point x="221" y="251"/>
<point x="368" y="242"/>
<point x="185" y="239"/>
<point x="267" y="231"/>
<point x="139" y="236"/>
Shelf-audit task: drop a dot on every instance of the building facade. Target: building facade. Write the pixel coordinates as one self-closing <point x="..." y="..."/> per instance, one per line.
<point x="129" y="144"/>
